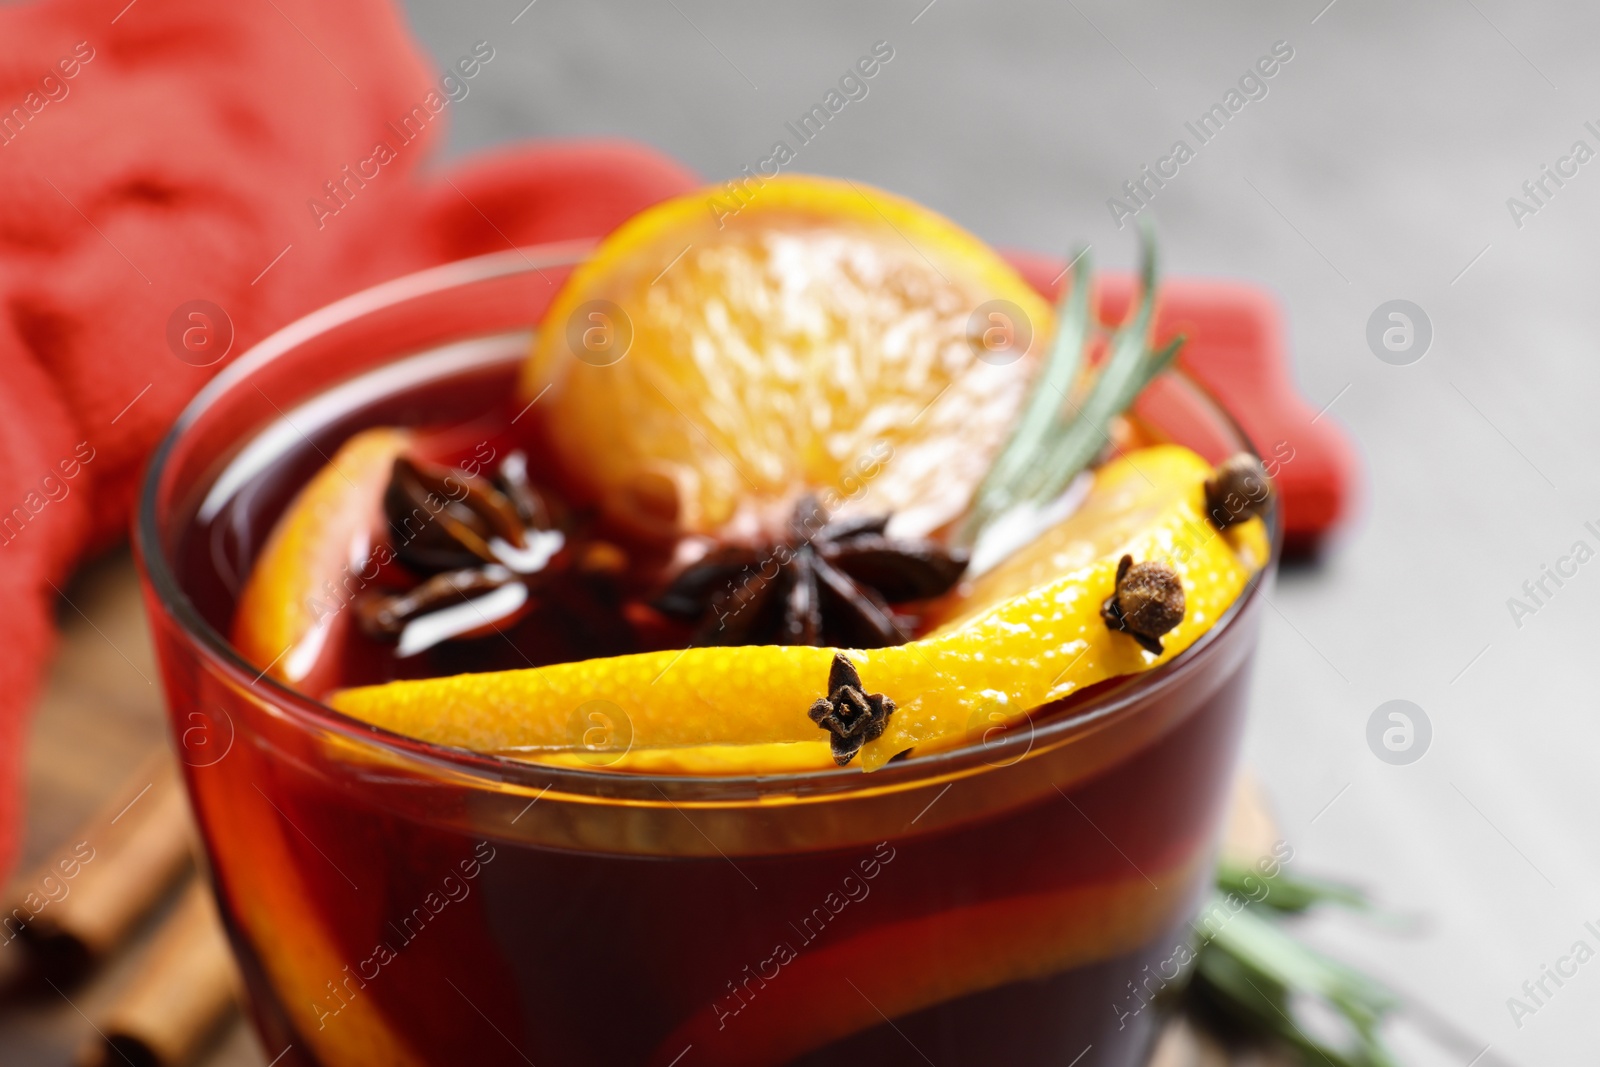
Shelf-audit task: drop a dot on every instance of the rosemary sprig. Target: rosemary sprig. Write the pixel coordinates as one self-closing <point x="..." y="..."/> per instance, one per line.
<point x="1290" y="895"/>
<point x="1056" y="437"/>
<point x="1040" y="417"/>
<point x="1255" y="971"/>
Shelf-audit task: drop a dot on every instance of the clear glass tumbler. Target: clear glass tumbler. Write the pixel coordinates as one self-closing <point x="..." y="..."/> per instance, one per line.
<point x="393" y="902"/>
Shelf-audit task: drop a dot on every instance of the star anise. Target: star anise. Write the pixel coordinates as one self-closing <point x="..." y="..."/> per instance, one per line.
<point x="443" y="518"/>
<point x="825" y="583"/>
<point x="388" y="615"/>
<point x="468" y="537"/>
<point x="851" y="716"/>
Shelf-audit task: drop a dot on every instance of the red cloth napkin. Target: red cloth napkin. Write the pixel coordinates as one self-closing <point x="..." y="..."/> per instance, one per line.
<point x="164" y="151"/>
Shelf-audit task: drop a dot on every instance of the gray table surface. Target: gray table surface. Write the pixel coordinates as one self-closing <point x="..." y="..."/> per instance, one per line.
<point x="1377" y="167"/>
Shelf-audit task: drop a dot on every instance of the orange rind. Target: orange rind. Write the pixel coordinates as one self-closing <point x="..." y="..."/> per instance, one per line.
<point x="292" y="613"/>
<point x="1025" y="634"/>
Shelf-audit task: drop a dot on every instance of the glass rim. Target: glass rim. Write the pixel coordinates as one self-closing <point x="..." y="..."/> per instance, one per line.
<point x="599" y="783"/>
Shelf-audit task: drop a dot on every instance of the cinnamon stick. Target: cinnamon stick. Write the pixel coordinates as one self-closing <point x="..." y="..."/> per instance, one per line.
<point x="183" y="989"/>
<point x="84" y="900"/>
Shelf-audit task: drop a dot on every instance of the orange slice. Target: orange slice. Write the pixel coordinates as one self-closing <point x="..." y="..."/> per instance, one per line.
<point x="291" y="613"/>
<point x="275" y="905"/>
<point x="1011" y="647"/>
<point x="900" y="967"/>
<point x="826" y="338"/>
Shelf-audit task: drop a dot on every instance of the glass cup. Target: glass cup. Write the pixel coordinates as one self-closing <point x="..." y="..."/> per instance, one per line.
<point x="394" y="902"/>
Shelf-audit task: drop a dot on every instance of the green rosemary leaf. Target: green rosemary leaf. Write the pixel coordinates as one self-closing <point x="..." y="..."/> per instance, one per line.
<point x="1041" y="415"/>
<point x="1126" y="371"/>
<point x="1057" y="437"/>
<point x="1264" y="1009"/>
<point x="1267" y="948"/>
<point x="1243" y="992"/>
<point x="1162" y="359"/>
<point x="1257" y="971"/>
<point x="1287" y="893"/>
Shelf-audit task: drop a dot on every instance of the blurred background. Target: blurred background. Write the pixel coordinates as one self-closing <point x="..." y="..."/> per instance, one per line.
<point x="1377" y="166"/>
